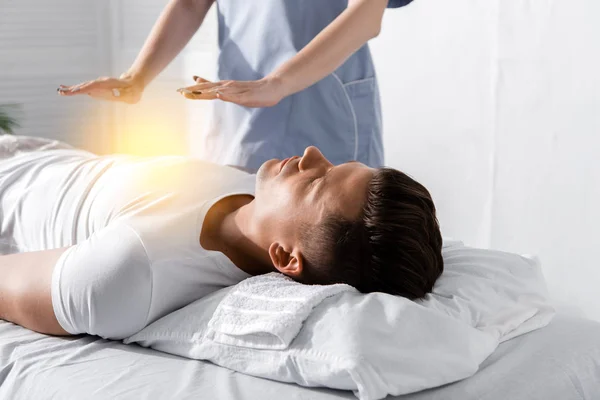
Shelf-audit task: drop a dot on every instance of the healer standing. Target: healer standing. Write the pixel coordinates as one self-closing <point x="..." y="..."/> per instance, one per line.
<point x="291" y="74"/>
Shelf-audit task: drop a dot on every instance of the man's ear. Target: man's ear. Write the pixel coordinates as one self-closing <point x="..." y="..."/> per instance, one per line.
<point x="286" y="262"/>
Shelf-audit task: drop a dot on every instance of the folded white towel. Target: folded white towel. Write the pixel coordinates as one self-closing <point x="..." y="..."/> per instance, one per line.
<point x="267" y="311"/>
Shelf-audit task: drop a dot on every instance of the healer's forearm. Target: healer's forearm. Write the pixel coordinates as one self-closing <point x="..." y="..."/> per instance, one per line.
<point x="174" y="28"/>
<point x="360" y="22"/>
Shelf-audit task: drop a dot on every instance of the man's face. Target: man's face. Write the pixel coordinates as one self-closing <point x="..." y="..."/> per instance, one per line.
<point x="305" y="190"/>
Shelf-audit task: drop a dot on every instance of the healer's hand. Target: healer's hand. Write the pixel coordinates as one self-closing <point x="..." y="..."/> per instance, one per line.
<point x="264" y="92"/>
<point x="126" y="89"/>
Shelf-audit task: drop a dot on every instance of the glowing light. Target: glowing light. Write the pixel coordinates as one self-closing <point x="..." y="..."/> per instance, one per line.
<point x="151" y="130"/>
<point x="161" y="124"/>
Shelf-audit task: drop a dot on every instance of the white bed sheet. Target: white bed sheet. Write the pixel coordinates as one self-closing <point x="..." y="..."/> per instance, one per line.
<point x="561" y="361"/>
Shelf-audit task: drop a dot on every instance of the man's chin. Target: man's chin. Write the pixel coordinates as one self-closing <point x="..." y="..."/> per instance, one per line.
<point x="267" y="170"/>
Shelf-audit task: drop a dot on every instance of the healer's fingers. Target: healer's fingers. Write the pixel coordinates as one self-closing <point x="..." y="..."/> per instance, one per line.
<point x="206" y="85"/>
<point x="70" y="90"/>
<point x="198" y="88"/>
<point x="104" y="84"/>
<point x="226" y="89"/>
<point x="199" y="95"/>
<point x="198" y="79"/>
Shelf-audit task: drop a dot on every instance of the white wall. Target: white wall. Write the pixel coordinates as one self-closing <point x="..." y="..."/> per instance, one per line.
<point x="47" y="43"/>
<point x="495" y="106"/>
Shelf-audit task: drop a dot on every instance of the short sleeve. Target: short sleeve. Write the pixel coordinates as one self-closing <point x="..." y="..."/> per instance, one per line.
<point x="398" y="3"/>
<point x="102" y="286"/>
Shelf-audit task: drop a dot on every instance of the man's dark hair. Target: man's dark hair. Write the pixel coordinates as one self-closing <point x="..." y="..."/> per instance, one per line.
<point x="394" y="246"/>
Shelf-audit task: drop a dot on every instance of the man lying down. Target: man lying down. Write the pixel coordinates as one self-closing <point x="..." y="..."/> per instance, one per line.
<point x="106" y="245"/>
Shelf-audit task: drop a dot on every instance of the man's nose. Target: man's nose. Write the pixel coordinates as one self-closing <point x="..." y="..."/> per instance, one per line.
<point x="311" y="158"/>
<point x="314" y="153"/>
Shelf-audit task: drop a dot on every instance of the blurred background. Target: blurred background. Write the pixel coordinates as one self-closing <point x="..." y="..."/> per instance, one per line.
<point x="493" y="105"/>
<point x="47" y="43"/>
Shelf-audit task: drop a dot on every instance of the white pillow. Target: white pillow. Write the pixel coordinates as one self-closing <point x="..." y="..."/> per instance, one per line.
<point x="377" y="344"/>
<point x="493" y="291"/>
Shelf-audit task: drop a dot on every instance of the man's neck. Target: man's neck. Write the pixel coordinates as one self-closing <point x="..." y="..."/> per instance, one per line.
<point x="228" y="228"/>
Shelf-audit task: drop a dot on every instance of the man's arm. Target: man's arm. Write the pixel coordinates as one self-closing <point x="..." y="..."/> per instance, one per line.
<point x="175" y="27"/>
<point x="25" y="290"/>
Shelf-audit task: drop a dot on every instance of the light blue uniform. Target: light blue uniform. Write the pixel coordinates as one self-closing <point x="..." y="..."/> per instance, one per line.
<point x="341" y="114"/>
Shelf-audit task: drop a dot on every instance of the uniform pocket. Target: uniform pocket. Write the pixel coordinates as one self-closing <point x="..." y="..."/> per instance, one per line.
<point x="362" y="97"/>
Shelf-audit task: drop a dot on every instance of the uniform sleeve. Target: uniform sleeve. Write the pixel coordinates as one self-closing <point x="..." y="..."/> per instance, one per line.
<point x="103" y="286"/>
<point x="398" y="3"/>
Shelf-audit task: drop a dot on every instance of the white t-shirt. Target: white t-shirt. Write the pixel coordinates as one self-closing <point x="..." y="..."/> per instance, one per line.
<point x="134" y="226"/>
